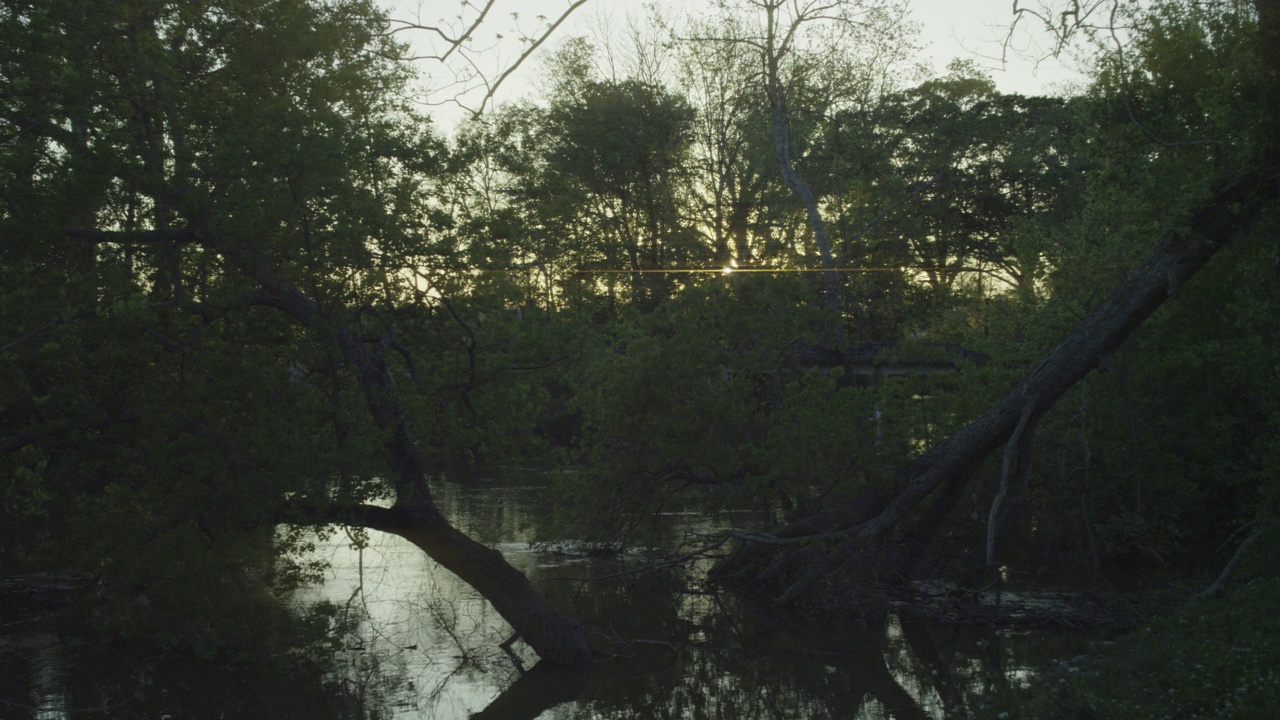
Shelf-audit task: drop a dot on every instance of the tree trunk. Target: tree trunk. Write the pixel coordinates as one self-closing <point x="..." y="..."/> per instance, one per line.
<point x="792" y="572"/>
<point x="786" y="166"/>
<point x="555" y="637"/>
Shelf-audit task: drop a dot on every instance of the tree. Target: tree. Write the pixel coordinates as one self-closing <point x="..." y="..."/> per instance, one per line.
<point x="178" y="167"/>
<point x="1243" y="173"/>
<point x="793" y="42"/>
<point x="732" y="151"/>
<point x="621" y="145"/>
<point x="952" y="171"/>
<point x="593" y="185"/>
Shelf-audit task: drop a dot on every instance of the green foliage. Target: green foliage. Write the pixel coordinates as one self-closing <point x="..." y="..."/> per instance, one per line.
<point x="1181" y="428"/>
<point x="1216" y="660"/>
<point x="709" y="403"/>
<point x="520" y="286"/>
<point x="952" y="178"/>
<point x="1188" y="444"/>
<point x="160" y="420"/>
<point x="675" y="400"/>
<point x="1171" y="445"/>
<point x="1193" y="84"/>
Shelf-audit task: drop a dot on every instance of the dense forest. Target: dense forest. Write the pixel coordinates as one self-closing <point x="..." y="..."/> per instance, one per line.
<point x="905" y="325"/>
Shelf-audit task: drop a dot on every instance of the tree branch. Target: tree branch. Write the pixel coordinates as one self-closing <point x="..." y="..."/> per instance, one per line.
<point x="132" y="237"/>
<point x="454" y="43"/>
<point x="525" y="55"/>
<point x="1218" y="585"/>
<point x="455" y="47"/>
<point x="362" y="515"/>
<point x="1015" y="441"/>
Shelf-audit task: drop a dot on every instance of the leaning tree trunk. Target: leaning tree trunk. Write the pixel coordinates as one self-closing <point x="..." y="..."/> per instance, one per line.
<point x="789" y="563"/>
<point x="554" y="636"/>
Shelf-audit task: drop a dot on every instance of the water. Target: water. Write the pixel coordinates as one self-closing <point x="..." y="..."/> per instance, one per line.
<point x="426" y="646"/>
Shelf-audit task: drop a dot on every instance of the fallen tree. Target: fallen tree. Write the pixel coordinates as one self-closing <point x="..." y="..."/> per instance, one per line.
<point x="874" y="542"/>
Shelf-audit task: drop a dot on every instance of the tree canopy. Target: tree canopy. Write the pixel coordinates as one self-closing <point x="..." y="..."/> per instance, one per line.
<point x="248" y="292"/>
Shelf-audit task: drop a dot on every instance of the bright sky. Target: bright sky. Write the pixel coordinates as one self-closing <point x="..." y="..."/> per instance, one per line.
<point x="950" y="28"/>
<point x="975" y="29"/>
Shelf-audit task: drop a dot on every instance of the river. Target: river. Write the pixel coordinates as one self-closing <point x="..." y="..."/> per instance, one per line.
<point x="423" y="645"/>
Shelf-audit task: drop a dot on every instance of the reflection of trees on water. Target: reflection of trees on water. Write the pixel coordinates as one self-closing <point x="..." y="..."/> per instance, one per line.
<point x="690" y="655"/>
<point x="421" y="645"/>
<point x="678" y="650"/>
<point x="675" y="648"/>
<point x="962" y="667"/>
<point x="537" y="691"/>
<point x="63" y="674"/>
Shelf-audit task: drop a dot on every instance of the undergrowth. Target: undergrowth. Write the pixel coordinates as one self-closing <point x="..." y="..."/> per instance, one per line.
<point x="1218" y="659"/>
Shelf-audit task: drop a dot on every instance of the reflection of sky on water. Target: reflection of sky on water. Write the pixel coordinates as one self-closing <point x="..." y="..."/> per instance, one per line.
<point x="45" y="665"/>
<point x="427" y="646"/>
<point x="440" y="639"/>
<point x="411" y="612"/>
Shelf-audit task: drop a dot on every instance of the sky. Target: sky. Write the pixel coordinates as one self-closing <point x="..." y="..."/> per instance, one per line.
<point x="950" y="29"/>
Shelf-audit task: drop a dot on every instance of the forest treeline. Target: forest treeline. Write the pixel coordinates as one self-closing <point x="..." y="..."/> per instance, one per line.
<point x="246" y="284"/>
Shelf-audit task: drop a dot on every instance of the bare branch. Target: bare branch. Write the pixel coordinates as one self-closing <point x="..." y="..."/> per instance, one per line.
<point x="453" y="43"/>
<point x="472" y="76"/>
<point x="525" y="55"/>
<point x="1062" y="24"/>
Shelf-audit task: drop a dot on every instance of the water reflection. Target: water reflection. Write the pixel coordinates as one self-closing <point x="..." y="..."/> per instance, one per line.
<point x="48" y="672"/>
<point x="423" y="645"/>
<point x="674" y="650"/>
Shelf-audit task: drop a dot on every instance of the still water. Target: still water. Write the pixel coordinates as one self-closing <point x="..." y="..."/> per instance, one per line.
<point x="423" y="645"/>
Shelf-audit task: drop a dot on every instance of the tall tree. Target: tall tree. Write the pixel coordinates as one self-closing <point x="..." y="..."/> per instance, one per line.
<point x="732" y="151"/>
<point x="1231" y="154"/>
<point x="793" y="41"/>
<point x="623" y="143"/>
<point x="949" y="170"/>
<point x="179" y="166"/>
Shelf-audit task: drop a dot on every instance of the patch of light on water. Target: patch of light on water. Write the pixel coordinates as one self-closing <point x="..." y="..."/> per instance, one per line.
<point x="437" y="640"/>
<point x="48" y="665"/>
<point x="418" y="624"/>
